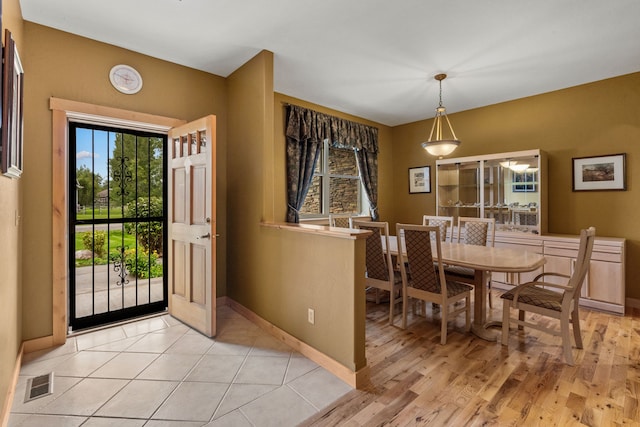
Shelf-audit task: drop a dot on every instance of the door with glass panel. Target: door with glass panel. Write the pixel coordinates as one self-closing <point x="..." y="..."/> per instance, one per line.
<point x="192" y="224"/>
<point x="117" y="222"/>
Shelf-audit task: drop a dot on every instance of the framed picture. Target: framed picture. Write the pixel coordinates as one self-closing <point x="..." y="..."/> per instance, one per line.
<point x="12" y="97"/>
<point x="599" y="173"/>
<point x="420" y="180"/>
<point x="524" y="182"/>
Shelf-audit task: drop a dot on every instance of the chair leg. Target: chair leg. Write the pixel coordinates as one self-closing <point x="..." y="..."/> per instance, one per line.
<point x="467" y="313"/>
<point x="489" y="291"/>
<point x="566" y="339"/>
<point x="521" y="317"/>
<point x="392" y="305"/>
<point x="405" y="303"/>
<point x="506" y="309"/>
<point x="444" y="310"/>
<point x="575" y="321"/>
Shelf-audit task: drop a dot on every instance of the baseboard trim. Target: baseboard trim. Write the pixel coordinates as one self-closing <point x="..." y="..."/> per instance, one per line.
<point x="36" y="344"/>
<point x="358" y="379"/>
<point x="8" y="399"/>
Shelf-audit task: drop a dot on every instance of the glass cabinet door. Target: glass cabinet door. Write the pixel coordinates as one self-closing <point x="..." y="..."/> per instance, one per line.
<point x="504" y="186"/>
<point x="458" y="190"/>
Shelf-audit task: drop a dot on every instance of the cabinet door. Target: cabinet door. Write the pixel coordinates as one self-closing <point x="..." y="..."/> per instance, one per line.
<point x="603" y="282"/>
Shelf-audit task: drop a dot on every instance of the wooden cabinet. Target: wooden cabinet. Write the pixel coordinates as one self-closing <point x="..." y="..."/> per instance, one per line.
<point x="604" y="287"/>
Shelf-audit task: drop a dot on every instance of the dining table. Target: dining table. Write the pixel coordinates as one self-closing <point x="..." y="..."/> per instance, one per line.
<point x="483" y="260"/>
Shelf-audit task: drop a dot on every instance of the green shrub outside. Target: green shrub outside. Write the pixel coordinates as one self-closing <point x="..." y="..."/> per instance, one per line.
<point x="94" y="242"/>
<point x="144" y="266"/>
<point x="149" y="233"/>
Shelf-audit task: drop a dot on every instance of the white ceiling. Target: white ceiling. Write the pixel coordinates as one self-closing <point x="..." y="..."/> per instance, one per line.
<point x="375" y="58"/>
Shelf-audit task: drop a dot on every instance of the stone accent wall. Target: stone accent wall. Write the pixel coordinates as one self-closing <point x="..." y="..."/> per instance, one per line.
<point x="345" y="192"/>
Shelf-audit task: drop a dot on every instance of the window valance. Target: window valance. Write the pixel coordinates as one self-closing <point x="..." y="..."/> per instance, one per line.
<point x="304" y="124"/>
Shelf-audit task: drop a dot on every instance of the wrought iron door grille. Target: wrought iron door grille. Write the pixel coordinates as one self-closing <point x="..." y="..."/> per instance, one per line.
<point x="117" y="224"/>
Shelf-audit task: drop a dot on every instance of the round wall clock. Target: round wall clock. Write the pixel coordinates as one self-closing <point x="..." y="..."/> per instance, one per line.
<point x="125" y="79"/>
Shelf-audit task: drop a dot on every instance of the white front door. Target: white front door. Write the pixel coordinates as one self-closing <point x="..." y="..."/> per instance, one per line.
<point x="192" y="224"/>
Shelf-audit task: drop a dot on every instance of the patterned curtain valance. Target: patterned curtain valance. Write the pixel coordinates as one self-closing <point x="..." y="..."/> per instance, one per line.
<point x="305" y="124"/>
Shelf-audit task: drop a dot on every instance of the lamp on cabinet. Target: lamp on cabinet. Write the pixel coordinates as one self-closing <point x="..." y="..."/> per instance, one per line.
<point x="438" y="145"/>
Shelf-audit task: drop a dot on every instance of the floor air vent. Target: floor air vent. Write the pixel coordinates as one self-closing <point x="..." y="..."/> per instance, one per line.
<point x="39" y="386"/>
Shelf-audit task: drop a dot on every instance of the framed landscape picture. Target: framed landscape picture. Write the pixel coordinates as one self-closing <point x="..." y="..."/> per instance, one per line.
<point x="420" y="180"/>
<point x="599" y="173"/>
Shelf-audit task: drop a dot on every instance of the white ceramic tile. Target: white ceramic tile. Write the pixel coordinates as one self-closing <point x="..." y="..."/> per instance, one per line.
<point x="60" y="386"/>
<point x="191" y="344"/>
<point x="262" y="370"/>
<point x="281" y="408"/>
<point x="125" y="365"/>
<point x="269" y="346"/>
<point x="178" y="329"/>
<point x="232" y="419"/>
<point x="116" y="346"/>
<point x="100" y="337"/>
<point x="113" y="422"/>
<point x="69" y="347"/>
<point x="85" y="397"/>
<point x="138" y="399"/>
<point x="82" y="364"/>
<point x="144" y="326"/>
<point x="45" y="420"/>
<point x="171" y="321"/>
<point x="192" y="402"/>
<point x="154" y="343"/>
<point x="40" y="367"/>
<point x="320" y="387"/>
<point x="214" y="368"/>
<point x="238" y="327"/>
<point x="170" y="367"/>
<point x="232" y="346"/>
<point x="299" y="366"/>
<point x="164" y="423"/>
<point x="239" y="395"/>
<point x="241" y="351"/>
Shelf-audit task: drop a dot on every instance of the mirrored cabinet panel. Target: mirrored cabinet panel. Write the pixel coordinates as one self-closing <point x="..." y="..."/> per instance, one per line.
<point x="510" y="187"/>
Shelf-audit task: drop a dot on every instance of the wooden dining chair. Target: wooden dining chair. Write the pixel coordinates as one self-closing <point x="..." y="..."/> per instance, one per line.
<point x="473" y="231"/>
<point x="380" y="273"/>
<point x="444" y="222"/>
<point x="339" y="220"/>
<point x="551" y="300"/>
<point x="424" y="280"/>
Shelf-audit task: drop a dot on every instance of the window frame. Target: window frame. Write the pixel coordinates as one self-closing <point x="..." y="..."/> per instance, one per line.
<point x="325" y="182"/>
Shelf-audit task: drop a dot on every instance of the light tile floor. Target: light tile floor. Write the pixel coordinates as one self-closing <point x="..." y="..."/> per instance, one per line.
<point x="158" y="372"/>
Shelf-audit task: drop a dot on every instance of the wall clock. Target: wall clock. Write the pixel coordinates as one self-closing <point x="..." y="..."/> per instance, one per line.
<point x="125" y="79"/>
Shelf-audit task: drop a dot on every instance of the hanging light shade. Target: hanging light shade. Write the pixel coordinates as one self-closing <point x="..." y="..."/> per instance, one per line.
<point x="439" y="145"/>
<point x="520" y="167"/>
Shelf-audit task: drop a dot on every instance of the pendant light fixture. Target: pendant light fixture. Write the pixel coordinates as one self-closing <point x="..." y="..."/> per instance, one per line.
<point x="438" y="145"/>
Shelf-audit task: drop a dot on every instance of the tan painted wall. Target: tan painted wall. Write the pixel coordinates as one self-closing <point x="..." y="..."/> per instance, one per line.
<point x="279" y="274"/>
<point x="590" y="120"/>
<point x="70" y="67"/>
<point x="11" y="194"/>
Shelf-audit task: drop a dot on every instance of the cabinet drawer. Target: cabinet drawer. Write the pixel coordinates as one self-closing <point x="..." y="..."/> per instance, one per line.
<point x="564" y="252"/>
<point x="606" y="256"/>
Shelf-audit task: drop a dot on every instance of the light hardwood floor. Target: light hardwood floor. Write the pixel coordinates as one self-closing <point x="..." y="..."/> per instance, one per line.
<point x="415" y="381"/>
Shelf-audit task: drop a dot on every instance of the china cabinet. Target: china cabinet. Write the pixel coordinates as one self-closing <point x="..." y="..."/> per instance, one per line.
<point x="510" y="187"/>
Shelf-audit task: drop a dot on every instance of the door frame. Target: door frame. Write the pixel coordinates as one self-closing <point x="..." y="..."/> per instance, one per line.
<point x="62" y="111"/>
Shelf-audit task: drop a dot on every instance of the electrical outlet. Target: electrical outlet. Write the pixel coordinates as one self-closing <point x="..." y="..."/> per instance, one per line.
<point x="311" y="316"/>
